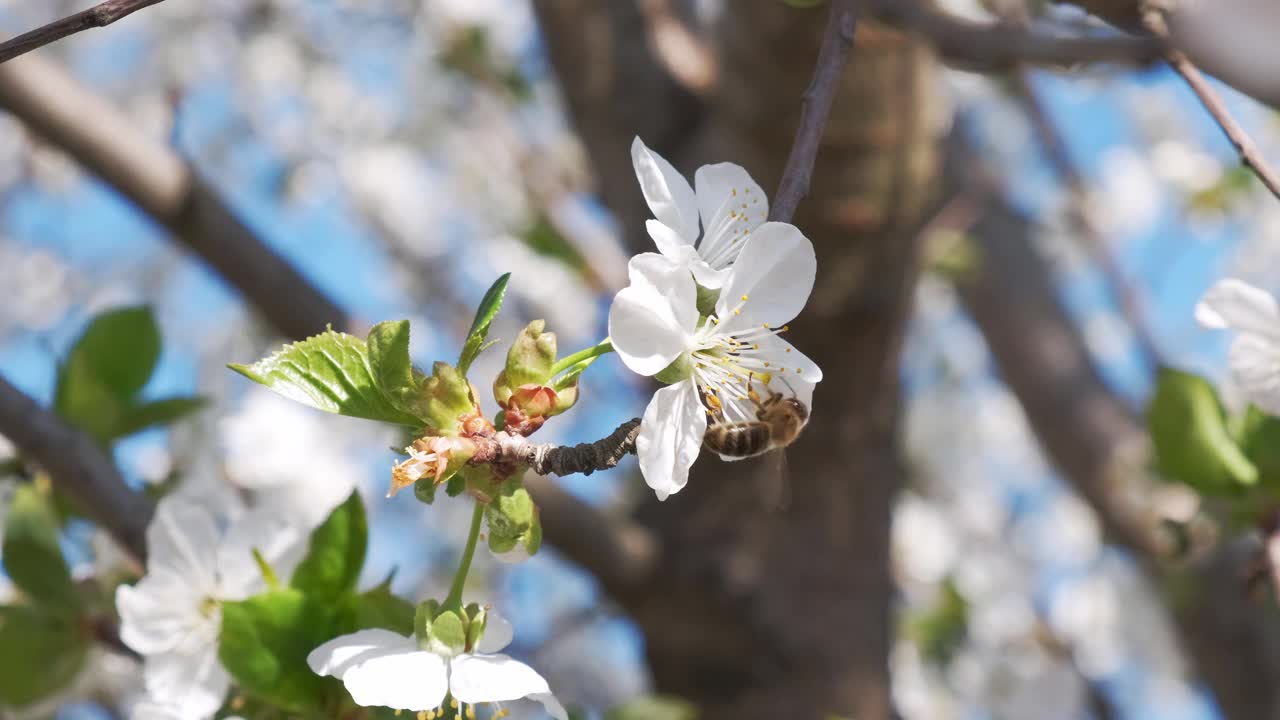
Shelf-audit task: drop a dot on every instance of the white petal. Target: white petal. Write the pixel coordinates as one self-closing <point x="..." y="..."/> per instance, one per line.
<point x="670" y="198"/>
<point x="782" y="354"/>
<point x="497" y="633"/>
<point x="411" y="680"/>
<point x="183" y="538"/>
<point x="670" y="243"/>
<point x="196" y="682"/>
<point x="493" y="678"/>
<point x="551" y="705"/>
<point x="651" y="320"/>
<point x="1255" y="366"/>
<point x="731" y="205"/>
<point x="775" y="271"/>
<point x="1236" y="304"/>
<point x="707" y="276"/>
<point x="158" y="612"/>
<point x="335" y="657"/>
<point x="670" y="437"/>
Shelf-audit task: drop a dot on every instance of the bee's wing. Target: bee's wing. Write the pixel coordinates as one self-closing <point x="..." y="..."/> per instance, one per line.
<point x="773" y="482"/>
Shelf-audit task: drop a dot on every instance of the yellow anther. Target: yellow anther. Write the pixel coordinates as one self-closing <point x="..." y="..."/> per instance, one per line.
<point x="755" y="346"/>
<point x="766" y="363"/>
<point x="765" y="325"/>
<point x="397" y="712"/>
<point x="797" y="371"/>
<point x="715" y="321"/>
<point x="453" y="703"/>
<point x="733" y="192"/>
<point x="788" y="349"/>
<point x="737" y="312"/>
<point x="744" y="298"/>
<point x="785" y="328"/>
<point x="422" y="715"/>
<point x="733" y="214"/>
<point x="744" y="205"/>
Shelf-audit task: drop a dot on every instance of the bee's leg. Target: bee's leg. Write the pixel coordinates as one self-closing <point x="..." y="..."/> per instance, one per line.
<point x="751" y="389"/>
<point x="714" y="408"/>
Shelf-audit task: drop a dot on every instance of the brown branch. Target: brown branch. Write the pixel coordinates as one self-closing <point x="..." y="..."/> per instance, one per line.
<point x="833" y="55"/>
<point x="544" y="458"/>
<point x="1000" y="45"/>
<point x="78" y="468"/>
<point x="167" y="188"/>
<point x="1153" y="18"/>
<point x="97" y="16"/>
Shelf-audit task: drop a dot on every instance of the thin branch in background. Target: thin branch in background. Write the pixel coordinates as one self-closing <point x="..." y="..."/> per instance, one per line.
<point x="999" y="45"/>
<point x="97" y="16"/>
<point x="837" y="41"/>
<point x="71" y="117"/>
<point x="1055" y="149"/>
<point x="77" y="467"/>
<point x="1153" y="18"/>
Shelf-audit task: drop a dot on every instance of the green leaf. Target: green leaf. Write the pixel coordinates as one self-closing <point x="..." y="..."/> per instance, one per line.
<point x="157" y="412"/>
<point x="40" y="654"/>
<point x="329" y="372"/>
<point x="389" y="359"/>
<point x="654" y="707"/>
<point x="119" y="349"/>
<point x="336" y="553"/>
<point x="381" y="608"/>
<point x="1192" y="442"/>
<point x="490" y="304"/>
<point x="264" y="644"/>
<point x="32" y="557"/>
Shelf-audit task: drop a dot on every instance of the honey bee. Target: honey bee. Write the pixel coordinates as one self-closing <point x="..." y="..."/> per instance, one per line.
<point x="779" y="420"/>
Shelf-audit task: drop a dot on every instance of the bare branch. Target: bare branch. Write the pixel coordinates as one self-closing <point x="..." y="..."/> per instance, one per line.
<point x="77" y="467"/>
<point x="97" y="16"/>
<point x="1153" y="18"/>
<point x="166" y="187"/>
<point x="837" y="41"/>
<point x="1000" y="45"/>
<point x="585" y="458"/>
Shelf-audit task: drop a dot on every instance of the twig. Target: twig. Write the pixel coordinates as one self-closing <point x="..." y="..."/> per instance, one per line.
<point x="544" y="458"/>
<point x="1153" y="18"/>
<point x="1055" y="148"/>
<point x="1000" y="45"/>
<point x="97" y="16"/>
<point x="837" y="41"/>
<point x="77" y="467"/>
<point x="166" y="187"/>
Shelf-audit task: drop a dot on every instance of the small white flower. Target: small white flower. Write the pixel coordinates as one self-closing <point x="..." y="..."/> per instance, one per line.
<point x="654" y="322"/>
<point x="730" y="204"/>
<point x="172" y="617"/>
<point x="380" y="667"/>
<point x="1255" y="352"/>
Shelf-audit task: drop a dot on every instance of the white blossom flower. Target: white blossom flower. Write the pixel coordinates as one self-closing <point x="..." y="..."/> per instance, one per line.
<point x="381" y="667"/>
<point x="172" y="617"/>
<point x="730" y="204"/>
<point x="1254" y="357"/>
<point x="655" y="325"/>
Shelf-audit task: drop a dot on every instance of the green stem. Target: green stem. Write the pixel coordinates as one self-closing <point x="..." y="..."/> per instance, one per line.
<point x="568" y="361"/>
<point x="464" y="565"/>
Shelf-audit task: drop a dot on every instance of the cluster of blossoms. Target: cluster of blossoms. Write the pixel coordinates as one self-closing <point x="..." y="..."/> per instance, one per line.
<point x="702" y="316"/>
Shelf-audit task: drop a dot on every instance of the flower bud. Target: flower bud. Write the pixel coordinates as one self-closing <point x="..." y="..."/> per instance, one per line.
<point x="531" y="356"/>
<point x="445" y="400"/>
